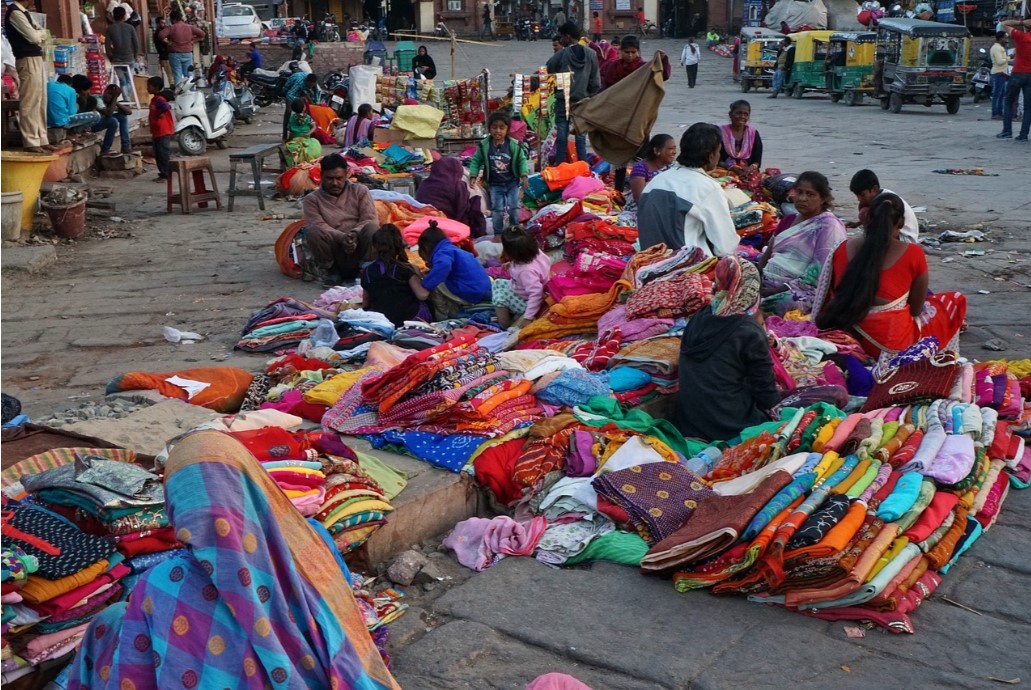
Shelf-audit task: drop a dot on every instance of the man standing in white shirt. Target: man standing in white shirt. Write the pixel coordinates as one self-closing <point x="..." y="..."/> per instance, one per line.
<point x="689" y="59"/>
<point x="683" y="206"/>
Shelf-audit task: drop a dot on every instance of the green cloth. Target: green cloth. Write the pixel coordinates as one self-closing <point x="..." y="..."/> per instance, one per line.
<point x="923" y="500"/>
<point x="601" y="410"/>
<point x="856" y="490"/>
<point x="390" y="480"/>
<point x="619" y="547"/>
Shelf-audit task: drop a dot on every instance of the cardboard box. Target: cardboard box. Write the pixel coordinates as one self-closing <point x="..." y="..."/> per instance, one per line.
<point x="388" y="137"/>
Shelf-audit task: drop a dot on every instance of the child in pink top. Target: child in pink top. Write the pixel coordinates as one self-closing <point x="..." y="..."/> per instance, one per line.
<point x="530" y="268"/>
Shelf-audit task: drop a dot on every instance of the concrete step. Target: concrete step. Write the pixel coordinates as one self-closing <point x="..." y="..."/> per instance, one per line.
<point x="430" y="505"/>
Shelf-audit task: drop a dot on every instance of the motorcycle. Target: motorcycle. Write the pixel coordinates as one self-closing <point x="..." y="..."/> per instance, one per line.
<point x="549" y="30"/>
<point x="536" y="29"/>
<point x="981" y="82"/>
<point x="200" y="119"/>
<point x="268" y="86"/>
<point x="524" y="30"/>
<point x="328" y="30"/>
<point x="239" y="98"/>
<point x="337" y="98"/>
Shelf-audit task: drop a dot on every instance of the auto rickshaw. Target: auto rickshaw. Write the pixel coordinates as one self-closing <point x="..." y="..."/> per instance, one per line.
<point x="809" y="71"/>
<point x="920" y="62"/>
<point x="757" y="57"/>
<point x="850" y="66"/>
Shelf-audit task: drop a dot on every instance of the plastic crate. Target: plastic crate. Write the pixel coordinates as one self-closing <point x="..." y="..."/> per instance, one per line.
<point x="404" y="52"/>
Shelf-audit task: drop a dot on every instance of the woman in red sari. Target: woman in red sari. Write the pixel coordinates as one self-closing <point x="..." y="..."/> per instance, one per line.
<point x="878" y="288"/>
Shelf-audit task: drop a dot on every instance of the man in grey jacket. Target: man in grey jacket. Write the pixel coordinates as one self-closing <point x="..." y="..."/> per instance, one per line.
<point x="586" y="81"/>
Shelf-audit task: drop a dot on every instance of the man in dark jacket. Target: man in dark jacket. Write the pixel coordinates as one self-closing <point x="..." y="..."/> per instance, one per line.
<point x="586" y="81"/>
<point x="726" y="372"/>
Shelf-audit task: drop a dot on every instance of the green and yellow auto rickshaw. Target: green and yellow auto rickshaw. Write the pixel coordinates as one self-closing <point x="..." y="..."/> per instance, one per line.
<point x="920" y="62"/>
<point x="850" y="66"/>
<point x="809" y="71"/>
<point x="757" y="57"/>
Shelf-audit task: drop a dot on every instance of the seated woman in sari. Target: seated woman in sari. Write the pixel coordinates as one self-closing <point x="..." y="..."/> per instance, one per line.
<point x="301" y="147"/>
<point x="659" y="154"/>
<point x="742" y="149"/>
<point x="447" y="191"/>
<point x="359" y="127"/>
<point x="877" y="288"/>
<point x="258" y="601"/>
<point x="800" y="246"/>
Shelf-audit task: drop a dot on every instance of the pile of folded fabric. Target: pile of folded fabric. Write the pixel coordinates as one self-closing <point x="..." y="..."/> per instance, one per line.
<point x="291" y="462"/>
<point x="281" y="324"/>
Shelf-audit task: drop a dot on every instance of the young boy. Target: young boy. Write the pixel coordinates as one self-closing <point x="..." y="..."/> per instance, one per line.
<point x="596" y="24"/>
<point x="866" y="187"/>
<point x="500" y="164"/>
<point x="162" y="126"/>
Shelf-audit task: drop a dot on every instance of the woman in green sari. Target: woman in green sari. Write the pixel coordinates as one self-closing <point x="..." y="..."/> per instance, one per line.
<point x="301" y="146"/>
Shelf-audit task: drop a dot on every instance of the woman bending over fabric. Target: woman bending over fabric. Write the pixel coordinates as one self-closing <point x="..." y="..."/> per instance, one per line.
<point x="877" y="288"/>
<point x="800" y="247"/>
<point x="258" y="601"/>
<point x="447" y="191"/>
<point x="726" y="373"/>
<point x="660" y="152"/>
<point x="423" y="65"/>
<point x="742" y="149"/>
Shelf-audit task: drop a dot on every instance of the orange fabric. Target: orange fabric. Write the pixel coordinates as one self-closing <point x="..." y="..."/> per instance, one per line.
<point x="39" y="589"/>
<point x="836" y="539"/>
<point x="559" y="176"/>
<point x="287" y="265"/>
<point x="324" y="117"/>
<point x="942" y="552"/>
<point x="402" y="214"/>
<point x="574" y="314"/>
<point x="226" y="391"/>
<point x="852" y="478"/>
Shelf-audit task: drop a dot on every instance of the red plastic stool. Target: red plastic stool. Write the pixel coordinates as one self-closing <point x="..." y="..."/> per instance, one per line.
<point x="184" y="169"/>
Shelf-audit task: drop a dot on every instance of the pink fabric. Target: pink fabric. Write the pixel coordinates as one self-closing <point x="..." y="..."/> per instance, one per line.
<point x="581" y="187"/>
<point x="556" y="681"/>
<point x="566" y="284"/>
<point x="456" y="231"/>
<point x="847" y="426"/>
<point x="632" y="329"/>
<point x="953" y="461"/>
<point x="479" y="543"/>
<point x="783" y="328"/>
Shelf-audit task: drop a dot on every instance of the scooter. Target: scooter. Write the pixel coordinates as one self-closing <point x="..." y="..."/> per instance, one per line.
<point x="981" y="82"/>
<point x="328" y="30"/>
<point x="268" y="86"/>
<point x="239" y="98"/>
<point x="200" y="120"/>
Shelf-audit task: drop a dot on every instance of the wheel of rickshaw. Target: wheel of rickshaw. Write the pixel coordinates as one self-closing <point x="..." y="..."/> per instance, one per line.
<point x="850" y="98"/>
<point x="746" y="84"/>
<point x="798" y="91"/>
<point x="835" y="97"/>
<point x="895" y="103"/>
<point x="884" y="102"/>
<point x="952" y="105"/>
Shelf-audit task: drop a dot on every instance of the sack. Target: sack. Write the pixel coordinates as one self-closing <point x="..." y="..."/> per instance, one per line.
<point x="927" y="379"/>
<point x="293" y="255"/>
<point x="134" y="19"/>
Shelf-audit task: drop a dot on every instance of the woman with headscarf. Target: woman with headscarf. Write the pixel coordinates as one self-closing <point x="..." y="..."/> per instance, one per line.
<point x="726" y="372"/>
<point x="446" y="190"/>
<point x="423" y="65"/>
<point x="258" y="601"/>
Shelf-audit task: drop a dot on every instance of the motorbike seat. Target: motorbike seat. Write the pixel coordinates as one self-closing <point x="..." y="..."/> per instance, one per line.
<point x="269" y="74"/>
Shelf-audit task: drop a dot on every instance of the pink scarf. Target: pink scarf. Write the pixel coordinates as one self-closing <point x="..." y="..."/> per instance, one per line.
<point x="737" y="156"/>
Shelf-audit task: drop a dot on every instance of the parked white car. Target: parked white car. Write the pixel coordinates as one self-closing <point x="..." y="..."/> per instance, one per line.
<point x="240" y="21"/>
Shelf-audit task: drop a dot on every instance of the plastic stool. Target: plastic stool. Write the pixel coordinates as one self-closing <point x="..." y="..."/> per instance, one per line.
<point x="184" y="169"/>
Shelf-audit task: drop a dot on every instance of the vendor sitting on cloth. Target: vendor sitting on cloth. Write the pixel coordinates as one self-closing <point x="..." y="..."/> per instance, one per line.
<point x="684" y="207"/>
<point x="339" y="219"/>
<point x="726" y="373"/>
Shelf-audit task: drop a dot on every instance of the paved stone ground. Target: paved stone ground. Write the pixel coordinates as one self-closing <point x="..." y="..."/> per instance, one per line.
<point x="99" y="310"/>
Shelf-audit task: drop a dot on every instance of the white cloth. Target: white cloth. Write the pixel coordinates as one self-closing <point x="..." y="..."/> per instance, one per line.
<point x="747" y="482"/>
<point x="689" y="57"/>
<point x="8" y="55"/>
<point x="633" y="452"/>
<point x="911" y="228"/>
<point x="684" y="207"/>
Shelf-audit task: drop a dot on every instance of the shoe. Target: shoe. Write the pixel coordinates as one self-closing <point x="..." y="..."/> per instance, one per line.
<point x="1004" y="135"/>
<point x="1022" y="139"/>
<point x="996" y="117"/>
<point x="161" y="178"/>
<point x="34" y="149"/>
<point x="111" y="154"/>
<point x="772" y="95"/>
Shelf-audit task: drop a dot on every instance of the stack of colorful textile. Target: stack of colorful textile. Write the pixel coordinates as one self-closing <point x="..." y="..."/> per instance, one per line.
<point x="91" y="524"/>
<point x="280" y="324"/>
<point x="291" y="462"/>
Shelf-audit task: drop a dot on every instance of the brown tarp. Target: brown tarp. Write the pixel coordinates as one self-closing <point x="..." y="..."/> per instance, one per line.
<point x="620" y="118"/>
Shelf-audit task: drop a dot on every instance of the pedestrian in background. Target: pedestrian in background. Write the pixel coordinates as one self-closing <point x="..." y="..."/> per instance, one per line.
<point x="785" y="60"/>
<point x="180" y="37"/>
<point x="689" y="59"/>
<point x="488" y="22"/>
<point x="162" y="127"/>
<point x="1000" y="73"/>
<point x="26" y="41"/>
<point x="1019" y="80"/>
<point x="597" y="25"/>
<point x="161" y="46"/>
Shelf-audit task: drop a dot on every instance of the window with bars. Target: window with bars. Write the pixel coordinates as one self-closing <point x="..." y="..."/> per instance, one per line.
<point x="454" y="5"/>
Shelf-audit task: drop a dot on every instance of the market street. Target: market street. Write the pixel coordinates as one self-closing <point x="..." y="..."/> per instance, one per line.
<point x="98" y="310"/>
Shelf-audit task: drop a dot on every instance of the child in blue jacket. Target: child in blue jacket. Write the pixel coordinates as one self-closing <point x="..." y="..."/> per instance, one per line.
<point x="455" y="278"/>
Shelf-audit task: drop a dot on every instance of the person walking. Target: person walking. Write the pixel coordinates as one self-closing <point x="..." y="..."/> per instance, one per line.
<point x="586" y="81"/>
<point x="689" y="59"/>
<point x="596" y="27"/>
<point x="560" y="17"/>
<point x="26" y="41"/>
<point x="123" y="47"/>
<point x="161" y="47"/>
<point x="1019" y="80"/>
<point x="488" y="22"/>
<point x="785" y="60"/>
<point x="180" y="37"/>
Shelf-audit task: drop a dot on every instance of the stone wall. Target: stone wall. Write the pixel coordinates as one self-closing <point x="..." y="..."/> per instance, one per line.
<point x="328" y="56"/>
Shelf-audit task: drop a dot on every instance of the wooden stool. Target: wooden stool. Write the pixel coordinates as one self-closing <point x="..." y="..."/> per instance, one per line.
<point x="185" y="169"/>
<point x="256" y="155"/>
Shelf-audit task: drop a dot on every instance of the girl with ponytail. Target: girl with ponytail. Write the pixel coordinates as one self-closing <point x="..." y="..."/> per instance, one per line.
<point x="879" y="288"/>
